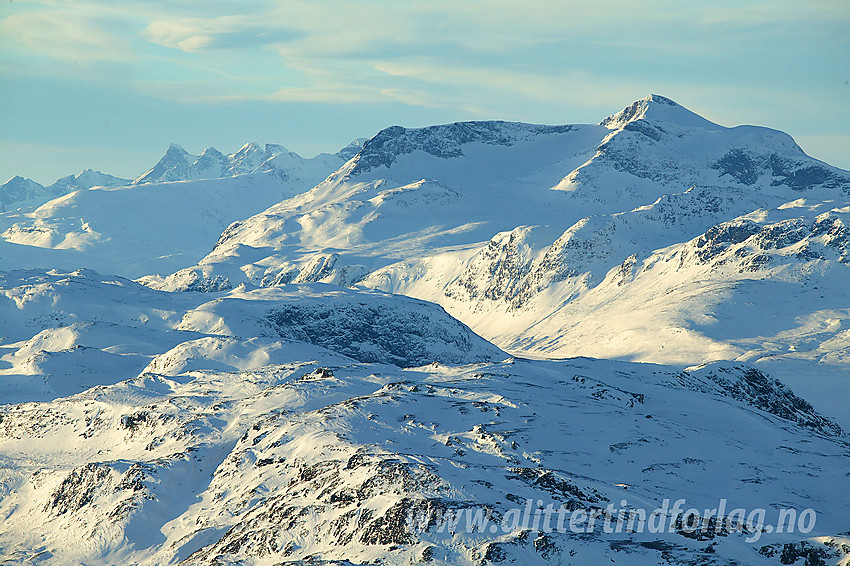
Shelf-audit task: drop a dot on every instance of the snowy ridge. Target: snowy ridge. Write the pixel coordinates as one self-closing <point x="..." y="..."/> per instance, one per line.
<point x="86" y="180"/>
<point x="366" y="326"/>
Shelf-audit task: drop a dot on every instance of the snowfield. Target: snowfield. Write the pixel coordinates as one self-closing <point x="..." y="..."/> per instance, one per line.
<point x="258" y="358"/>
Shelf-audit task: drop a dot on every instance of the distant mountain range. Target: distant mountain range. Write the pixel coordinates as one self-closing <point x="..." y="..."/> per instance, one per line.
<point x="179" y="165"/>
<point x="20" y="192"/>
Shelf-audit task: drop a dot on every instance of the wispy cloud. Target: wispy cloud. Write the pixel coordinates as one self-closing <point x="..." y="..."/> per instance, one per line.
<point x="224" y="32"/>
<point x="822" y="13"/>
<point x="69" y="34"/>
<point x="343" y="52"/>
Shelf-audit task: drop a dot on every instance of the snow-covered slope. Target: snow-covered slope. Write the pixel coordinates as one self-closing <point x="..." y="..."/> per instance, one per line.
<point x="262" y="426"/>
<point x="770" y="284"/>
<point x="134" y="230"/>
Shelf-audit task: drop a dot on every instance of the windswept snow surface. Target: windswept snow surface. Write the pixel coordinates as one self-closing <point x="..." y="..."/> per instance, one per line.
<point x="54" y="321"/>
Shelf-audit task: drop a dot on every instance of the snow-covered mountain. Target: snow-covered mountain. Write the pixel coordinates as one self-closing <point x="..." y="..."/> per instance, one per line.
<point x="86" y="180"/>
<point x="18" y="192"/>
<point x="179" y="165"/>
<point x="542" y="237"/>
<point x="369" y="361"/>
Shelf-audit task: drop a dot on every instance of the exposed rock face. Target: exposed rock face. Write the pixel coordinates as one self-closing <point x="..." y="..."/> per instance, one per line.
<point x="750" y="386"/>
<point x="382" y="333"/>
<point x="745" y="241"/>
<point x="797" y="174"/>
<point x="366" y="326"/>
<point x="444" y="141"/>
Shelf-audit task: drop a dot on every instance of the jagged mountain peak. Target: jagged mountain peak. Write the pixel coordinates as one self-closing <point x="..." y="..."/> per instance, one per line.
<point x="173" y="166"/>
<point x="351" y="149"/>
<point x="17" y="179"/>
<point x="656" y="108"/>
<point x="175" y="149"/>
<point x="177" y="164"/>
<point x="18" y="190"/>
<point x="250" y="147"/>
<point x="211" y="151"/>
<point x="275" y="148"/>
<point x="176" y="153"/>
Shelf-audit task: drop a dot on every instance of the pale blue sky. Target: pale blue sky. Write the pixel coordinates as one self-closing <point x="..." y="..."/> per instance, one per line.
<point x="109" y="84"/>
